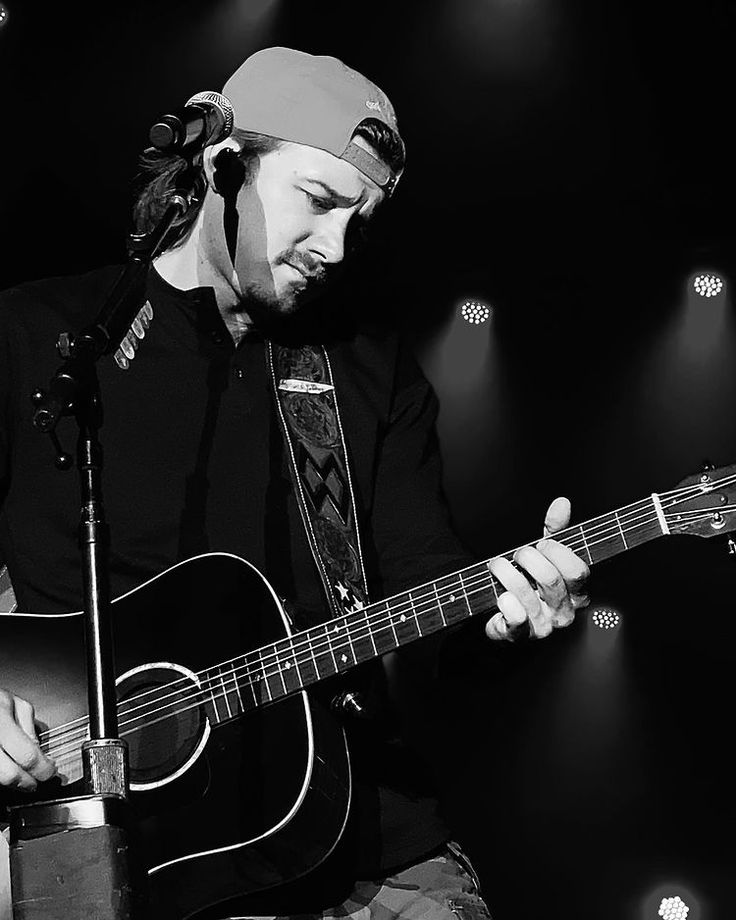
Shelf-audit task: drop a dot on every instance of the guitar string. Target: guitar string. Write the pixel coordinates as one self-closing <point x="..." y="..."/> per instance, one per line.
<point x="221" y="679"/>
<point x="196" y="701"/>
<point x="218" y="680"/>
<point x="481" y="572"/>
<point x="626" y="516"/>
<point x="260" y="669"/>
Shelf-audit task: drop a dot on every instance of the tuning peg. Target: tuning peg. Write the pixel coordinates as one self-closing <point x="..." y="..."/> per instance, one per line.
<point x="731" y="543"/>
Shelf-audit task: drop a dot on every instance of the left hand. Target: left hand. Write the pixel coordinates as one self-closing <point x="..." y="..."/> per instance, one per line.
<point x="526" y="611"/>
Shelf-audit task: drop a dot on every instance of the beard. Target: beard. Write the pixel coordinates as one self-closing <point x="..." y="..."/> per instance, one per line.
<point x="280" y="314"/>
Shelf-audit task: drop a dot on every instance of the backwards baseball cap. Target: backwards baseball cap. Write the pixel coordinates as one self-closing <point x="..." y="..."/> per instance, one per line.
<point x="314" y="100"/>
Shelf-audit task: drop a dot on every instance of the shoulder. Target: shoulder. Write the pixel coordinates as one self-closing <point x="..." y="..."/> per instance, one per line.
<point x="69" y="300"/>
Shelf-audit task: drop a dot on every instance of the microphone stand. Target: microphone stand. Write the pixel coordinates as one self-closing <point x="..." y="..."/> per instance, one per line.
<point x="58" y="875"/>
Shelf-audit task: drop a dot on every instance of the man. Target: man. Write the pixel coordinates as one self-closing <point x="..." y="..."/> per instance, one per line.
<point x="255" y="420"/>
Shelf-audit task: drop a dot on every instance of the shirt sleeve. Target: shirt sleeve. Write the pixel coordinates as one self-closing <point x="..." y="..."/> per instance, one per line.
<point x="5" y="397"/>
<point x="413" y="532"/>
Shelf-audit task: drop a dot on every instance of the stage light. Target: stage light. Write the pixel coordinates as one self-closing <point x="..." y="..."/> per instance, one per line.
<point x="708" y="285"/>
<point x="605" y="618"/>
<point x="673" y="908"/>
<point x="4" y="14"/>
<point x="475" y="313"/>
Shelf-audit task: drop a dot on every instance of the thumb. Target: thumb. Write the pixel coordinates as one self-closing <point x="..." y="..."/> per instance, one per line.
<point x="557" y="517"/>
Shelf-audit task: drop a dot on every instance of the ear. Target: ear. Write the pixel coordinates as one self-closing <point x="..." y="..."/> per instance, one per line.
<point x="210" y="154"/>
<point x="229" y="174"/>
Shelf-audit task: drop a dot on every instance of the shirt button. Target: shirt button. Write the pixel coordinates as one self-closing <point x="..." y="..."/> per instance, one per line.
<point x="239" y="373"/>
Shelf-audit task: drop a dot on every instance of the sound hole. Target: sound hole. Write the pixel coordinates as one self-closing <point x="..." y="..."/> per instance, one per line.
<point x="163" y="721"/>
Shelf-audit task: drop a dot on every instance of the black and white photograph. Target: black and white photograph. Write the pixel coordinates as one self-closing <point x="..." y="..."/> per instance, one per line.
<point x="367" y="460"/>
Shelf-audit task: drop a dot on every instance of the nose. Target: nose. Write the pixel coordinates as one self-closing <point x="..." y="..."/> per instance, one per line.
<point x="328" y="243"/>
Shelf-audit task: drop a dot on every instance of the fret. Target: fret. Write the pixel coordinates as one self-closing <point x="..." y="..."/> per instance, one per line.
<point x="225" y="693"/>
<point x="465" y="594"/>
<point x="346" y="631"/>
<point x="307" y="664"/>
<point x="621" y="530"/>
<point x="248" y="679"/>
<point x="273" y="681"/>
<point x="361" y="640"/>
<point x="289" y="668"/>
<point x="414" y="613"/>
<point x="454" y="608"/>
<point x="480" y="590"/>
<point x="229" y="692"/>
<point x="211" y="699"/>
<point x="236" y="671"/>
<point x="370" y="631"/>
<point x="322" y="656"/>
<point x="330" y="643"/>
<point x="495" y="586"/>
<point x="439" y="603"/>
<point x="382" y="628"/>
<point x="429" y="611"/>
<point x="274" y="674"/>
<point x="404" y="621"/>
<point x="606" y="542"/>
<point x="585" y="544"/>
<point x="305" y="658"/>
<point x="342" y="651"/>
<point x="391" y="619"/>
<point x="261" y="677"/>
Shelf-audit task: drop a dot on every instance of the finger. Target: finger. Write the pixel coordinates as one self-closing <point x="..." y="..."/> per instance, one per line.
<point x="572" y="567"/>
<point x="516" y="582"/>
<point x="25" y="716"/>
<point x="13" y="775"/>
<point x="579" y="601"/>
<point x="575" y="572"/>
<point x="550" y="583"/>
<point x="16" y="742"/>
<point x="496" y="627"/>
<point x="511" y="622"/>
<point x="558" y="516"/>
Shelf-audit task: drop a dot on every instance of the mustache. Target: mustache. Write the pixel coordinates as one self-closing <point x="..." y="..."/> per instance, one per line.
<point x="310" y="267"/>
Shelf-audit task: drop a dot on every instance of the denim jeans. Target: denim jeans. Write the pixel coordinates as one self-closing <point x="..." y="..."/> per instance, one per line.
<point x="442" y="887"/>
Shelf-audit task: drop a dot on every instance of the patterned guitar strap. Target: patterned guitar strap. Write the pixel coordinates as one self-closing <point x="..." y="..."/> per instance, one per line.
<point x="306" y="402"/>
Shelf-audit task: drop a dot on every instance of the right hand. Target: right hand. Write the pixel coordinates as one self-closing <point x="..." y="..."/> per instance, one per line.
<point x="23" y="765"/>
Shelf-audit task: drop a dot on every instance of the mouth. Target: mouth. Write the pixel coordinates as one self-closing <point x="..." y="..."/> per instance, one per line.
<point x="300" y="275"/>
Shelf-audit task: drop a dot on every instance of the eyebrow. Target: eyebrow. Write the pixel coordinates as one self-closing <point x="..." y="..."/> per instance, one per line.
<point x="344" y="200"/>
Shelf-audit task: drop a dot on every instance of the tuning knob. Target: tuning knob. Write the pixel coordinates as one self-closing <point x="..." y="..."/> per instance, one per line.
<point x="351" y="704"/>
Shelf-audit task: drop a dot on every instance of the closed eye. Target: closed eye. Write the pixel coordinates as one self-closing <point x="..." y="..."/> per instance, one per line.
<point x="318" y="202"/>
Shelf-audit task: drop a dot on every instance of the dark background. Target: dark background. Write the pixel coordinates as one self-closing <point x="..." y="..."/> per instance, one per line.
<point x="571" y="166"/>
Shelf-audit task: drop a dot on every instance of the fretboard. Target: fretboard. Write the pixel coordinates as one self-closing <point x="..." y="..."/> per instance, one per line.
<point x="301" y="660"/>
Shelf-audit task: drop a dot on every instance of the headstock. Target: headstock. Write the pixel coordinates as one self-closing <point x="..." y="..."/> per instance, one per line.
<point x="703" y="505"/>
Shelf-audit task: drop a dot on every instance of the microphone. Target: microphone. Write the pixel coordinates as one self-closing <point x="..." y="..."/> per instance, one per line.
<point x="207" y="118"/>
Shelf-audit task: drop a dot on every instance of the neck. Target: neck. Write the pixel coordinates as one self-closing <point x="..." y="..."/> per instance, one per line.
<point x="186" y="267"/>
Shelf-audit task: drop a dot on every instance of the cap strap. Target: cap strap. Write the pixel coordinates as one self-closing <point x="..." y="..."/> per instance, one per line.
<point x="370" y="166"/>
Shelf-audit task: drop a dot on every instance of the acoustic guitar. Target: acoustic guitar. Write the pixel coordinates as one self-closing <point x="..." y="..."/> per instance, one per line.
<point x="239" y="772"/>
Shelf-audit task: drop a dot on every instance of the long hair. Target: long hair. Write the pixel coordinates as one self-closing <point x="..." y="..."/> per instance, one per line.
<point x="157" y="177"/>
<point x="158" y="172"/>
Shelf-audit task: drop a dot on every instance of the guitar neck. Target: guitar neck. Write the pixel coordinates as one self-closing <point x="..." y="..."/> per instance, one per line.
<point x="295" y="663"/>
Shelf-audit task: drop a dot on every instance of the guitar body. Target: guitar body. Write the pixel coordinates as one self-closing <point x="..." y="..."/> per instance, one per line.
<point x="223" y="806"/>
<point x="240" y="779"/>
